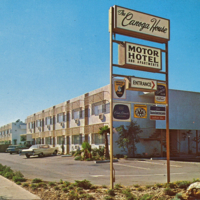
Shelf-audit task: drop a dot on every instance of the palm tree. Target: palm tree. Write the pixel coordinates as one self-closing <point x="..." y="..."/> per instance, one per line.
<point x="103" y="131"/>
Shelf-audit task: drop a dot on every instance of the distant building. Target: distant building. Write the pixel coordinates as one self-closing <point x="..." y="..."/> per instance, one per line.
<point x="11" y="133"/>
<point x="70" y="123"/>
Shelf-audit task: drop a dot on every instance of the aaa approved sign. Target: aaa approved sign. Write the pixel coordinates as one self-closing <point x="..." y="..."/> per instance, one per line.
<point x="140" y="111"/>
<point x="157" y="113"/>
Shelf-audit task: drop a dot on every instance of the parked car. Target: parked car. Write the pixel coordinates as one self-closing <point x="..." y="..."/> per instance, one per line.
<point x="40" y="150"/>
<point x="15" y="148"/>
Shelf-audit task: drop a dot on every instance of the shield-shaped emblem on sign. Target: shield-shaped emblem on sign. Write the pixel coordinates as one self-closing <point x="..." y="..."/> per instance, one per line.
<point x="119" y="88"/>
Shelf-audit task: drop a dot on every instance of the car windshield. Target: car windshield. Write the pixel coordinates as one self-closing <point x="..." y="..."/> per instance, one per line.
<point x="34" y="147"/>
<point x="12" y="147"/>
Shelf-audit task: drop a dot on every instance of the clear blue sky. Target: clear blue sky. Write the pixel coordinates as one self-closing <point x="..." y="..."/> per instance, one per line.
<point x="52" y="51"/>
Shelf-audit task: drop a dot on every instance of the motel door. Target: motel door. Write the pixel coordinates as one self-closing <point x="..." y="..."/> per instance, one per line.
<point x="173" y="143"/>
<point x="67" y="144"/>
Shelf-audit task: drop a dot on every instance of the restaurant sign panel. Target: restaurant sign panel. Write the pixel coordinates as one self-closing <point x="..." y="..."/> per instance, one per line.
<point x="121" y="112"/>
<point x="140" y="25"/>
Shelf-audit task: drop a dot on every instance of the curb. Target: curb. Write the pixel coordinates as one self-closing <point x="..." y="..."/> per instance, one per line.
<point x="104" y="161"/>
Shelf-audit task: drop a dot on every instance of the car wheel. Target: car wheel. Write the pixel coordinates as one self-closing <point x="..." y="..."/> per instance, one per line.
<point x="40" y="155"/>
<point x="10" y="153"/>
<point x="55" y="153"/>
<point x="28" y="156"/>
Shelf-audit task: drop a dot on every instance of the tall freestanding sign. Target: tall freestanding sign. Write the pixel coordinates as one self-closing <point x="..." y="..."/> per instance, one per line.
<point x="124" y="21"/>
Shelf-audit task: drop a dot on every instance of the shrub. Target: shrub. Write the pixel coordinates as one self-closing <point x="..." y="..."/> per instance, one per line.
<point x="86" y="196"/>
<point x="159" y="185"/>
<point x="148" y="186"/>
<point x="129" y="195"/>
<point x="183" y="184"/>
<point x="56" y="188"/>
<point x="171" y="185"/>
<point x="9" y="175"/>
<point x="146" y="197"/>
<point x="88" y="159"/>
<point x="36" y="180"/>
<point x="65" y="190"/>
<point x="41" y="184"/>
<point x="118" y="186"/>
<point x="34" y="186"/>
<point x="104" y="186"/>
<point x="168" y="191"/>
<point x="178" y="197"/>
<point x="86" y="145"/>
<point x="52" y="183"/>
<point x="72" y="196"/>
<point x="136" y="185"/>
<point x="25" y="185"/>
<point x="66" y="183"/>
<point x="18" y="183"/>
<point x="19" y="174"/>
<point x="78" y="158"/>
<point x="140" y="189"/>
<point x="111" y="192"/>
<point x="16" y="179"/>
<point x="108" y="198"/>
<point x="70" y="187"/>
<point x="84" y="184"/>
<point x="195" y="180"/>
<point x="61" y="181"/>
<point x="77" y="153"/>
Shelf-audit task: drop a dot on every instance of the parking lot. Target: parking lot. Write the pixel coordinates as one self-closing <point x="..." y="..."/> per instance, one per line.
<point x="127" y="172"/>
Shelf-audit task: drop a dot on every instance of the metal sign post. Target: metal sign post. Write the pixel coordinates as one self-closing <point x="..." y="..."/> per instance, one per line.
<point x="135" y="24"/>
<point x="111" y="96"/>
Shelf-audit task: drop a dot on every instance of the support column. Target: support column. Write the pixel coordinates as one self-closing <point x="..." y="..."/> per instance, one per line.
<point x="197" y="139"/>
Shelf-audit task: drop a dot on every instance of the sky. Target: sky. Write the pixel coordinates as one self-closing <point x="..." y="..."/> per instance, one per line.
<point x="52" y="51"/>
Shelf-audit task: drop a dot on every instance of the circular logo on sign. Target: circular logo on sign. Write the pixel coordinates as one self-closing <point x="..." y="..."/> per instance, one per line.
<point x="140" y="112"/>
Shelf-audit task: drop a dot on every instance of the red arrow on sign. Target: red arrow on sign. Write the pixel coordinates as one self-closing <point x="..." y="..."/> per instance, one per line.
<point x="153" y="85"/>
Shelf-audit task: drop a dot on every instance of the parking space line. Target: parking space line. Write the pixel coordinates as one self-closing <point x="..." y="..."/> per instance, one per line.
<point x="132" y="166"/>
<point x="153" y="163"/>
<point x="96" y="176"/>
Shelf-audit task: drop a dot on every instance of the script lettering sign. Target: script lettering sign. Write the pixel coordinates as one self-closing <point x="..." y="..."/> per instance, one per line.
<point x="141" y="25"/>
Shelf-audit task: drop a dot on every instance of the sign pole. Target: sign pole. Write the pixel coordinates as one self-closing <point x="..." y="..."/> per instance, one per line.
<point x="111" y="96"/>
<point x="167" y="115"/>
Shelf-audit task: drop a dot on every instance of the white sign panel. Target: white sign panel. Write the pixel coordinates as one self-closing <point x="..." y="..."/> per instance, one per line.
<point x="145" y="84"/>
<point x="143" y="56"/>
<point x="144" y="25"/>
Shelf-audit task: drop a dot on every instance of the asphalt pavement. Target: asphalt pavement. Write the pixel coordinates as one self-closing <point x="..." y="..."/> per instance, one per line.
<point x="10" y="190"/>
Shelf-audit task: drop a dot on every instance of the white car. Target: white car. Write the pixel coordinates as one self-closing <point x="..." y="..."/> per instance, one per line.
<point x="40" y="150"/>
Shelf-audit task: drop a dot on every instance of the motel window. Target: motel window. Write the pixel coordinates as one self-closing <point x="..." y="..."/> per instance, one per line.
<point x="77" y="139"/>
<point x="39" y="123"/>
<point x="98" y="108"/>
<point x="61" y="117"/>
<point x="60" y="140"/>
<point x="98" y="139"/>
<point x="77" y="113"/>
<point x="48" y="140"/>
<point x="48" y="120"/>
<point x="38" y="140"/>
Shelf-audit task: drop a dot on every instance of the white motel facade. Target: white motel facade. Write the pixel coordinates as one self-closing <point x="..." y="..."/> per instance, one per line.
<point x="70" y="123"/>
